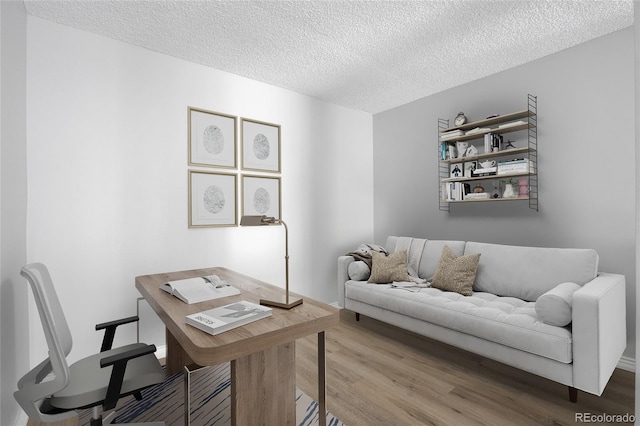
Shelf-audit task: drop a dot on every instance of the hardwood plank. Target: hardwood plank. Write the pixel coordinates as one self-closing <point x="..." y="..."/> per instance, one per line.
<point x="378" y="374"/>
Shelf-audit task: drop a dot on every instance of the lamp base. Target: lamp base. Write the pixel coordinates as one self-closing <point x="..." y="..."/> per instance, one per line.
<point x="281" y="302"/>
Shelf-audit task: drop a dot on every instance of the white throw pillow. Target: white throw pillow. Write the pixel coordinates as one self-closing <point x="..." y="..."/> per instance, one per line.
<point x="359" y="271"/>
<point x="554" y="307"/>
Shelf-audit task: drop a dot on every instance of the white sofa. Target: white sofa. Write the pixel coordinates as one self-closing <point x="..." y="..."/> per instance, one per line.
<point x="499" y="320"/>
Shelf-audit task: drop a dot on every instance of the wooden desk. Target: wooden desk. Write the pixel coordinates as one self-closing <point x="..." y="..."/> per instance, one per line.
<point x="262" y="353"/>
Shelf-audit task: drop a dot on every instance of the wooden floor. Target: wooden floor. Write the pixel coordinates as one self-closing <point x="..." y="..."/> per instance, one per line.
<point x="378" y="374"/>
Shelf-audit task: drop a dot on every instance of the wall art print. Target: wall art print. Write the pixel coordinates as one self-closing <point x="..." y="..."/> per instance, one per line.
<point x="260" y="146"/>
<point x="212" y="138"/>
<point x="261" y="196"/>
<point x="212" y="199"/>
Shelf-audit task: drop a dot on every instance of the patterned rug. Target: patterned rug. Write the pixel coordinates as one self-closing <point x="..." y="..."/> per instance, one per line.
<point x="210" y="402"/>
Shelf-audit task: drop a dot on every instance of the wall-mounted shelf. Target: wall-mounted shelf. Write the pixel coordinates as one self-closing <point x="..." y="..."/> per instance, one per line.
<point x="474" y="134"/>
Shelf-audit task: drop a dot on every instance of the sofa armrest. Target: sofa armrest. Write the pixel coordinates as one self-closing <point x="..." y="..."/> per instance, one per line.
<point x="599" y="331"/>
<point x="343" y="276"/>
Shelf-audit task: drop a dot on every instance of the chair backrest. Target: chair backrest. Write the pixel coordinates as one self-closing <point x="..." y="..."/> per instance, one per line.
<point x="33" y="388"/>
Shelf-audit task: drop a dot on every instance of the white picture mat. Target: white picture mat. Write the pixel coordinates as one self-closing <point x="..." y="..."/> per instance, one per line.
<point x="199" y="155"/>
<point x="261" y="196"/>
<point x="250" y="130"/>
<point x="202" y="185"/>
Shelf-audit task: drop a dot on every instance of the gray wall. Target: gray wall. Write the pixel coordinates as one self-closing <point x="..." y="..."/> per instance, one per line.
<point x="586" y="125"/>
<point x="14" y="345"/>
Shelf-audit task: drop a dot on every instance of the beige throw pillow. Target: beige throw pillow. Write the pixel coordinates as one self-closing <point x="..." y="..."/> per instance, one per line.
<point x="456" y="273"/>
<point x="387" y="269"/>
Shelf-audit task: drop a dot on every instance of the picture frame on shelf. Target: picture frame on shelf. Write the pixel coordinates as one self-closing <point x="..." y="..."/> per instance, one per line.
<point x="212" y="199"/>
<point x="212" y="138"/>
<point x="469" y="168"/>
<point x="456" y="170"/>
<point x="260" y="145"/>
<point x="261" y="196"/>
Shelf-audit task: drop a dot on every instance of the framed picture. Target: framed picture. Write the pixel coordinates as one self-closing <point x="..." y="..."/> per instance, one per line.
<point x="456" y="170"/>
<point x="212" y="199"/>
<point x="261" y="196"/>
<point x="260" y="146"/>
<point x="469" y="168"/>
<point x="212" y="138"/>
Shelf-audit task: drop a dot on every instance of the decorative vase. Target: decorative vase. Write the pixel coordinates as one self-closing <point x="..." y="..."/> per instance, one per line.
<point x="523" y="185"/>
<point x="509" y="191"/>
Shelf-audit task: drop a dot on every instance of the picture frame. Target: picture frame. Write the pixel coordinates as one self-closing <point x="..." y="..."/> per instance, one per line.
<point x="456" y="170"/>
<point x="212" y="199"/>
<point x="260" y="145"/>
<point x="470" y="167"/>
<point x="261" y="196"/>
<point x="212" y="138"/>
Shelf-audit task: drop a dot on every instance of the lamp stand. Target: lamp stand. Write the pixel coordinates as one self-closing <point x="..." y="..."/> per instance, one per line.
<point x="285" y="301"/>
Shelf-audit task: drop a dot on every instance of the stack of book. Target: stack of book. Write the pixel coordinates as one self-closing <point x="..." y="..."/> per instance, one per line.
<point x="217" y="320"/>
<point x="452" y="134"/>
<point x="518" y="165"/>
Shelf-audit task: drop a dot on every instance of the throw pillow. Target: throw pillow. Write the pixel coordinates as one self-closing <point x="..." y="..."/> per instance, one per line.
<point x="555" y="306"/>
<point x="387" y="269"/>
<point x="456" y="273"/>
<point x="359" y="271"/>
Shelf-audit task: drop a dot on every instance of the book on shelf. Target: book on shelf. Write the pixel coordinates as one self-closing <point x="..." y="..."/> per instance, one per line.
<point x="199" y="289"/>
<point x="487" y="171"/>
<point x="520" y="165"/>
<point x="217" y="320"/>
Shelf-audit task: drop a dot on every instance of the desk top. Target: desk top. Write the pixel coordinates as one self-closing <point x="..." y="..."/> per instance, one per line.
<point x="281" y="327"/>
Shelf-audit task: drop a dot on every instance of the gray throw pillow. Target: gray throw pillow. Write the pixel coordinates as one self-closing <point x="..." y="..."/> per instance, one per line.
<point x="387" y="269"/>
<point x="555" y="306"/>
<point x="359" y="271"/>
<point x="456" y="273"/>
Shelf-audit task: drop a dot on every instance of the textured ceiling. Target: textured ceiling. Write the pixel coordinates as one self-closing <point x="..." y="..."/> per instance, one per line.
<point x="365" y="55"/>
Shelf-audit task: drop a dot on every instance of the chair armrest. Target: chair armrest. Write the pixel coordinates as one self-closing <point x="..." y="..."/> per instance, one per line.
<point x="119" y="363"/>
<point x="599" y="327"/>
<point x="343" y="275"/>
<point x="110" y="331"/>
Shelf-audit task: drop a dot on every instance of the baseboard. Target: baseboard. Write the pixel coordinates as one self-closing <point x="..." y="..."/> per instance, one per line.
<point x="628" y="364"/>
<point x="335" y="305"/>
<point x="161" y="351"/>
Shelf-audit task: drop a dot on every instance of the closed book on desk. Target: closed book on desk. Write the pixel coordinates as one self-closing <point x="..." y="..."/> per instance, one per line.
<point x="199" y="289"/>
<point x="217" y="320"/>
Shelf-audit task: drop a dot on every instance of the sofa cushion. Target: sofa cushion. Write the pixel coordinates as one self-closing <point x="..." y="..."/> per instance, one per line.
<point x="359" y="271"/>
<point x="505" y="320"/>
<point x="529" y="272"/>
<point x="430" y="254"/>
<point x="386" y="269"/>
<point x="555" y="306"/>
<point x="456" y="273"/>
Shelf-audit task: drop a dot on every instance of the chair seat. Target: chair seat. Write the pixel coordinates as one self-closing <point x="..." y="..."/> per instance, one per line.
<point x="88" y="382"/>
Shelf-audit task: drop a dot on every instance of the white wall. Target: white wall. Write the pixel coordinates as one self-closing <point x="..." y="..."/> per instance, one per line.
<point x="107" y="175"/>
<point x="13" y="202"/>
<point x="586" y="152"/>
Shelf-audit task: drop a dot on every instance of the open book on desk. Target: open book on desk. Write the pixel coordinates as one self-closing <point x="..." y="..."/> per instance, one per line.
<point x="199" y="289"/>
<point x="215" y="321"/>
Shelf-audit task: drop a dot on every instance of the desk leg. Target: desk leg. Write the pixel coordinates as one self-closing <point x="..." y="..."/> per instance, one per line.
<point x="322" y="383"/>
<point x="263" y="387"/>
<point x="176" y="358"/>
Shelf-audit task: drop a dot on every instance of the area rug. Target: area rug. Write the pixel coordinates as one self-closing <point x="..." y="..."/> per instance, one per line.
<point x="210" y="402"/>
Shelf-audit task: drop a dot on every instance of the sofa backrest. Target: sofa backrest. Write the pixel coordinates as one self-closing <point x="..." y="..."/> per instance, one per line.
<point x="529" y="272"/>
<point x="430" y="253"/>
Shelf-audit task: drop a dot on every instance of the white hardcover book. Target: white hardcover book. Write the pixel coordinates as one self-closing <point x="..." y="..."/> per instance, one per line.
<point x="199" y="289"/>
<point x="217" y="320"/>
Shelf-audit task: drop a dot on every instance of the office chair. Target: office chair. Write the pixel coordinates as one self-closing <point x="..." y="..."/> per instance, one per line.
<point x="98" y="380"/>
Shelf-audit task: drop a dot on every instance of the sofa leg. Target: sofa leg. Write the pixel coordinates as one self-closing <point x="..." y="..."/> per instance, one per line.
<point x="357" y="316"/>
<point x="573" y="394"/>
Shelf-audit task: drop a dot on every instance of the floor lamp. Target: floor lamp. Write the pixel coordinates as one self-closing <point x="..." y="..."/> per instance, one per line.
<point x="282" y="302"/>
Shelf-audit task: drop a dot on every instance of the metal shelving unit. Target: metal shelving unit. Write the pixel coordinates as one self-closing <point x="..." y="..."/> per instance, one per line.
<point x="496" y="125"/>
